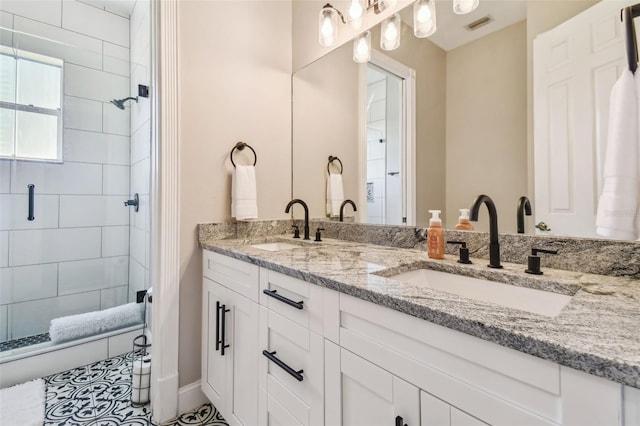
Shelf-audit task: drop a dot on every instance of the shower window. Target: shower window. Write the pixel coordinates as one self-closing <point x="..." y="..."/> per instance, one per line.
<point x="30" y="106"/>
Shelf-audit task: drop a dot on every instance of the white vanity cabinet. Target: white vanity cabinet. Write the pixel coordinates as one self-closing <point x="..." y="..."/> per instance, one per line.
<point x="230" y="313"/>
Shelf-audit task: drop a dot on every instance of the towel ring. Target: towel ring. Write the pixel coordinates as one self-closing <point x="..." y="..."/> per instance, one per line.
<point x="240" y="146"/>
<point x="331" y="160"/>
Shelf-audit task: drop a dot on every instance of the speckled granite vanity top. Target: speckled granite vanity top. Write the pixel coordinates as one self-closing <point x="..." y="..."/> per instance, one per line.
<point x="598" y="331"/>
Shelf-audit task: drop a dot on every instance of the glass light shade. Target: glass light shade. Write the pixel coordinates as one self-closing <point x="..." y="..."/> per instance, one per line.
<point x="362" y="48"/>
<point x="386" y="4"/>
<point x="328" y="27"/>
<point x="356" y="12"/>
<point x="390" y="33"/>
<point x="462" y="7"/>
<point x="424" y="18"/>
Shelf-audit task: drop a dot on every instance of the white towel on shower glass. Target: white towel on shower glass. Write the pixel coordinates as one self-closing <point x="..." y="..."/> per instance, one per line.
<point x="244" y="198"/>
<point x="618" y="206"/>
<point x="335" y="194"/>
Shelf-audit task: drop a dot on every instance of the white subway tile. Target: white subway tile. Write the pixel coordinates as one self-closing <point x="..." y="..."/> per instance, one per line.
<point x="97" y="23"/>
<point x="34" y="317"/>
<point x="140" y="20"/>
<point x="115" y="241"/>
<point x="54" y="41"/>
<point x="28" y="283"/>
<point x="5" y="177"/>
<point x="78" y="211"/>
<point x="138" y="249"/>
<point x="47" y="11"/>
<point x="140" y="176"/>
<point x="140" y="144"/>
<point x="147" y="258"/>
<point x="136" y="278"/>
<point x="53" y="245"/>
<point x="4" y="321"/>
<point x="94" y="147"/>
<point x="115" y="120"/>
<point x="82" y="114"/>
<point x="97" y="85"/>
<point x="116" y="59"/>
<point x="140" y="219"/>
<point x="115" y="180"/>
<point x="6" y="25"/>
<point x="112" y="297"/>
<point x="14" y="209"/>
<point x="4" y="249"/>
<point x="93" y="274"/>
<point x="52" y="178"/>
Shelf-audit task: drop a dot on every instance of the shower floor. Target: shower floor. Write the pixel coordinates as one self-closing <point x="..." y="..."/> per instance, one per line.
<point x="24" y="341"/>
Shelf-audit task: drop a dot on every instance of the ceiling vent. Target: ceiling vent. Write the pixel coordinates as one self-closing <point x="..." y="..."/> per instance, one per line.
<point x="479" y="23"/>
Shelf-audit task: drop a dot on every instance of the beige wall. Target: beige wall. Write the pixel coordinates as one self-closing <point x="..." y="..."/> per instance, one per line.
<point x="325" y="122"/>
<point x="235" y="84"/>
<point x="486" y="125"/>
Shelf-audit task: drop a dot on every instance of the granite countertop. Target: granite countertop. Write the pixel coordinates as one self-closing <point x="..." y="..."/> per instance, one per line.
<point x="598" y="331"/>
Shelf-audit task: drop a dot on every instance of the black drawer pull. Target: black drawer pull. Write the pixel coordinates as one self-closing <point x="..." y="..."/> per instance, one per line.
<point x="217" y="325"/>
<point x="32" y="190"/>
<point x="400" y="421"/>
<point x="223" y="343"/>
<point x="285" y="367"/>
<point x="275" y="295"/>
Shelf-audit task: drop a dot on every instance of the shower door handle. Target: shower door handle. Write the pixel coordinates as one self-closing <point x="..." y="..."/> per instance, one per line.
<point x="32" y="190"/>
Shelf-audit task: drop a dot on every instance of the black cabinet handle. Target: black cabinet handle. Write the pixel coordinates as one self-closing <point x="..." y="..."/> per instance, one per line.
<point x="217" y="325"/>
<point x="223" y="312"/>
<point x="275" y="295"/>
<point x="32" y="190"/>
<point x="400" y="421"/>
<point x="296" y="374"/>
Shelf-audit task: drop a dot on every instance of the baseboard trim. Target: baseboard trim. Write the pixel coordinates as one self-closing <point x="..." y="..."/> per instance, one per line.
<point x="190" y="397"/>
<point x="166" y="406"/>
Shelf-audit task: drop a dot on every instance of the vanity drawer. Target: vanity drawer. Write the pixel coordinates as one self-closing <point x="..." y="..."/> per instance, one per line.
<point x="239" y="276"/>
<point x="294" y="299"/>
<point x="298" y="349"/>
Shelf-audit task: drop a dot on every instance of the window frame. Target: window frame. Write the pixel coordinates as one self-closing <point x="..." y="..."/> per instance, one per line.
<point x="18" y="54"/>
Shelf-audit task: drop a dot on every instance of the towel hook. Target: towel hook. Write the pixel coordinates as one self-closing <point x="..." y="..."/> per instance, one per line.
<point x="626" y="16"/>
<point x="241" y="146"/>
<point x="331" y="160"/>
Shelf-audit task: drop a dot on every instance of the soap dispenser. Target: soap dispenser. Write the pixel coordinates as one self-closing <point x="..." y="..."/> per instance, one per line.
<point x="435" y="236"/>
<point x="463" y="221"/>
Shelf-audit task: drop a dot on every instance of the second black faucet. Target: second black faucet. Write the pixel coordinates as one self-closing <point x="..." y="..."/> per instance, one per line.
<point x="306" y="214"/>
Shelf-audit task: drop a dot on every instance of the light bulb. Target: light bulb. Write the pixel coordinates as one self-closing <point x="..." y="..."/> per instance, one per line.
<point x="462" y="7"/>
<point x="328" y="27"/>
<point x="390" y="31"/>
<point x="362" y="48"/>
<point x="355" y="13"/>
<point x="424" y="18"/>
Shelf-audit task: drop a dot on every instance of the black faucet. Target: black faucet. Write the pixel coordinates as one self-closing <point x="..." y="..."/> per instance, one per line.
<point x="524" y="207"/>
<point x="344" y="203"/>
<point x="494" y="246"/>
<point x="306" y="214"/>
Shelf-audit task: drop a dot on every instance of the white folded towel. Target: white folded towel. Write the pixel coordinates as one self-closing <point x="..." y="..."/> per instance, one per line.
<point x="335" y="194"/>
<point x="620" y="199"/>
<point x="244" y="198"/>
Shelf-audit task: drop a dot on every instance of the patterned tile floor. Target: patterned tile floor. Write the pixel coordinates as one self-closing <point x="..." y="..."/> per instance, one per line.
<point x="99" y="395"/>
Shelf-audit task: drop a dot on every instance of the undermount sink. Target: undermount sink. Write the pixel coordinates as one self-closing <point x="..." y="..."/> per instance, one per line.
<point x="275" y="246"/>
<point x="526" y="299"/>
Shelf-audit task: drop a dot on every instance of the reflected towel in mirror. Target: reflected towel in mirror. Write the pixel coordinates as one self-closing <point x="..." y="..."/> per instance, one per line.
<point x="244" y="198"/>
<point x="335" y="194"/>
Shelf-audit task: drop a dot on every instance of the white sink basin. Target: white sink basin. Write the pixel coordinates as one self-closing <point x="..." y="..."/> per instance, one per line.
<point x="275" y="246"/>
<point x="522" y="298"/>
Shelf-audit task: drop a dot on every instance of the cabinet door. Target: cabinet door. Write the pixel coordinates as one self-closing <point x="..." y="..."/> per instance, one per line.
<point x="436" y="412"/>
<point x="361" y="393"/>
<point x="214" y="367"/>
<point x="241" y="335"/>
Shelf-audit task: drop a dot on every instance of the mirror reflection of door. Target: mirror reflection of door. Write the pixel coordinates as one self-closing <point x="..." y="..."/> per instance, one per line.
<point x="388" y="135"/>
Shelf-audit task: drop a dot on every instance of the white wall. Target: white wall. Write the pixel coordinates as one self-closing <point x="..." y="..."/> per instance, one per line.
<point x="74" y="257"/>
<point x="234" y="85"/>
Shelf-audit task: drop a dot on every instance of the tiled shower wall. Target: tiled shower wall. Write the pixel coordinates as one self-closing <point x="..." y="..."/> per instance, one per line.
<point x="75" y="256"/>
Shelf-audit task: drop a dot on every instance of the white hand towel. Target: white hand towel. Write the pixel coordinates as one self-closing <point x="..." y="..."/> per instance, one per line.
<point x="620" y="198"/>
<point x="335" y="194"/>
<point x="244" y="198"/>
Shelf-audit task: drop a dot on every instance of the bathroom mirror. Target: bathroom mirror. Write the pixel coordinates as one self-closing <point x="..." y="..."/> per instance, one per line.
<point x="473" y="115"/>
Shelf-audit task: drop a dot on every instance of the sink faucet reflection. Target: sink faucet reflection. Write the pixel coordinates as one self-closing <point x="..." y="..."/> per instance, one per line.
<point x="494" y="246"/>
<point x="306" y="214"/>
<point x="344" y="203"/>
<point x="524" y="207"/>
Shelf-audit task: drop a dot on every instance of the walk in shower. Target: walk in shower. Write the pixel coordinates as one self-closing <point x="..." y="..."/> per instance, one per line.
<point x="72" y="161"/>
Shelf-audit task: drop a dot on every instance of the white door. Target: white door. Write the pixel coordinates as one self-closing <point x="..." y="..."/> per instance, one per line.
<point x="361" y="393"/>
<point x="575" y="66"/>
<point x="214" y="365"/>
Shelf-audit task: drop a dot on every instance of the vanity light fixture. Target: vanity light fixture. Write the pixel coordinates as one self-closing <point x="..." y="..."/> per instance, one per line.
<point x="362" y="48"/>
<point x="462" y="7"/>
<point x="424" y="18"/>
<point x="390" y="32"/>
<point x="328" y="25"/>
